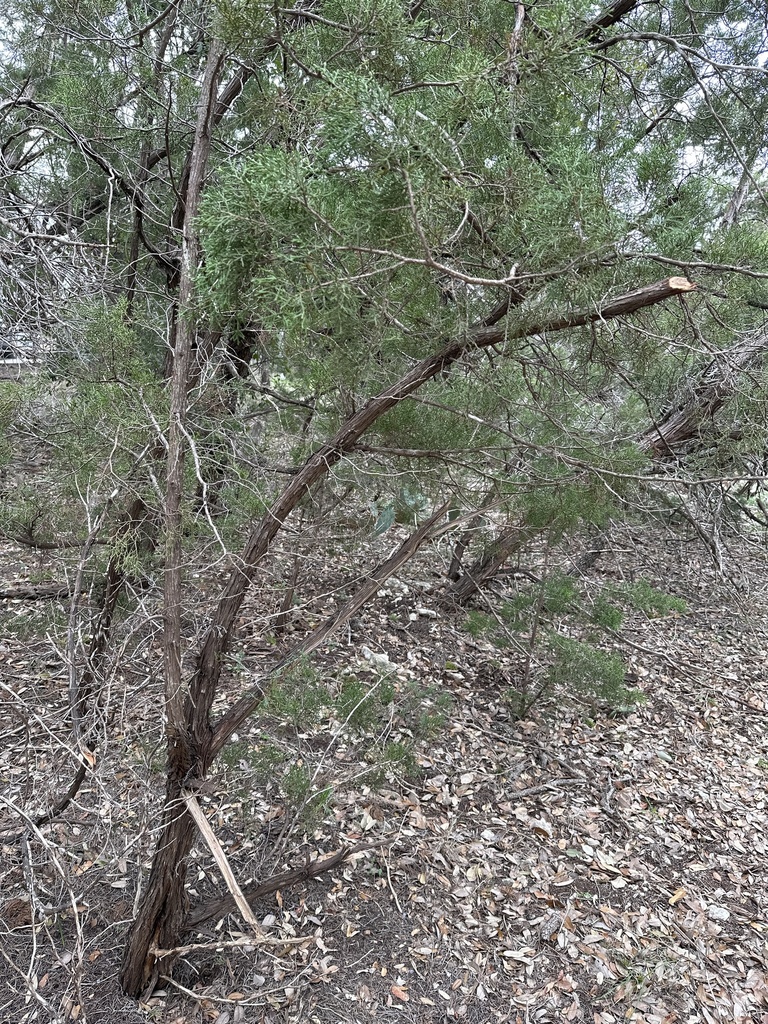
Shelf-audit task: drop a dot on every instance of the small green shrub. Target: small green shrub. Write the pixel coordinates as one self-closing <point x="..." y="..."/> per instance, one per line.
<point x="606" y="614"/>
<point x="516" y="701"/>
<point x="297" y="695"/>
<point x="396" y="757"/>
<point x="261" y="757"/>
<point x="655" y="603"/>
<point x="560" y="595"/>
<point x="477" y="624"/>
<point x="360" y="704"/>
<point x="425" y="709"/>
<point x="579" y="667"/>
<point x="296" y="784"/>
<point x="514" y="612"/>
<point x="308" y="807"/>
<point x="401" y="758"/>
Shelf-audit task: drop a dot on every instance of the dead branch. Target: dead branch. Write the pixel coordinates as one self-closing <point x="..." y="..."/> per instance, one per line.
<point x="312" y="869"/>
<point x="35" y="591"/>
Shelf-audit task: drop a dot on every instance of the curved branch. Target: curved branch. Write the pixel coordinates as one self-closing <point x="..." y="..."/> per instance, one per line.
<point x="218" y="635"/>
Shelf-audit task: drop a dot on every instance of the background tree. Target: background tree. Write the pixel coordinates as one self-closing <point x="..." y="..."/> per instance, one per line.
<point x="430" y="265"/>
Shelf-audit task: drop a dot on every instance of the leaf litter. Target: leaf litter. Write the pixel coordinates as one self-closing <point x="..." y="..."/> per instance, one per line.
<point x="579" y="865"/>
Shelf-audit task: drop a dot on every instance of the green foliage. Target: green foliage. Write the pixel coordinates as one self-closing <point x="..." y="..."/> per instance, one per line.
<point x="401" y="759"/>
<point x="515" y="611"/>
<point x="384" y="145"/>
<point x="579" y="667"/>
<point x="574" y="666"/>
<point x="11" y="395"/>
<point x="309" y="806"/>
<point x="265" y="759"/>
<point x="298" y="695"/>
<point x="560" y="594"/>
<point x="655" y="603"/>
<point x="46" y="620"/>
<point x="360" y="703"/>
<point x="394" y="758"/>
<point x="562" y="508"/>
<point x="603" y="612"/>
<point x="376" y="169"/>
<point x="424" y="709"/>
<point x="407" y="506"/>
<point x="478" y="624"/>
<point x="411" y="504"/>
<point x="296" y="784"/>
<point x="368" y="706"/>
<point x="385" y="519"/>
<point x="23" y="513"/>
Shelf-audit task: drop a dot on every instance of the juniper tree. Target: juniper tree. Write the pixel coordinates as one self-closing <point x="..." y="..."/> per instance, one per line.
<point x="448" y="258"/>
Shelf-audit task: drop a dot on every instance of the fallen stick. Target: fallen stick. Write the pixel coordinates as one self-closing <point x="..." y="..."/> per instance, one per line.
<point x="220" y="907"/>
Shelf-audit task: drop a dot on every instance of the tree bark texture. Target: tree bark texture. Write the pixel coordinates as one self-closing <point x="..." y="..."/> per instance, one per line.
<point x="506" y="544"/>
<point x="702" y="398"/>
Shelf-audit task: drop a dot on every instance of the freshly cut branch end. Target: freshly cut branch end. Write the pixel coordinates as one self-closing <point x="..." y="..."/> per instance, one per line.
<point x="681" y="284"/>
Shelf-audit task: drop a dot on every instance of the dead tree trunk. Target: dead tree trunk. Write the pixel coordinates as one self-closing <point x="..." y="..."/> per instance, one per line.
<point x="701" y="398"/>
<point x="506" y="544"/>
<point x="163" y="907"/>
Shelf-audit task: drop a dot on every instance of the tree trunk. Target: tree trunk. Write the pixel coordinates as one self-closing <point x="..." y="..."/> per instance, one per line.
<point x="702" y="398"/>
<point x="506" y="544"/>
<point x="163" y="908"/>
<point x="164" y="905"/>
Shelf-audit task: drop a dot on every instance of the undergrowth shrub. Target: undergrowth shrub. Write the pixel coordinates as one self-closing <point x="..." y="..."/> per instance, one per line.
<point x="655" y="603"/>
<point x="579" y="667"/>
<point x="534" y="621"/>
<point x="320" y="734"/>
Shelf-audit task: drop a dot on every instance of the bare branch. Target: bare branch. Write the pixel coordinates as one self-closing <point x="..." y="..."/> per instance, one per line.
<point x="593" y="32"/>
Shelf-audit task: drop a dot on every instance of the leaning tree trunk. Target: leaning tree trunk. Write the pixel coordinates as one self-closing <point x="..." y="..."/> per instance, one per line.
<point x="700" y="399"/>
<point x="192" y="741"/>
<point x="490" y="562"/>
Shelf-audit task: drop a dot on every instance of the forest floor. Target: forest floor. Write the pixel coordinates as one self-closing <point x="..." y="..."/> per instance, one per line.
<point x="583" y="864"/>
